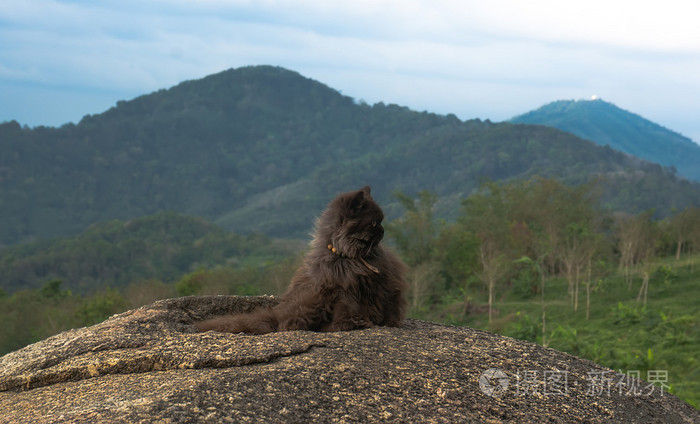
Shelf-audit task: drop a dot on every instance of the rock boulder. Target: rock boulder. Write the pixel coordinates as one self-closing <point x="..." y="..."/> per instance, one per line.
<point x="150" y="365"/>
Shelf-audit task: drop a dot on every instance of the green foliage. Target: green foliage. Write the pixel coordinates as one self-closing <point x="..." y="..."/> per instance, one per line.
<point x="525" y="328"/>
<point x="682" y="232"/>
<point x="190" y="284"/>
<point x="457" y="252"/>
<point x="162" y="246"/>
<point x="538" y="218"/>
<point x="414" y="234"/>
<point x="628" y="315"/>
<point x="665" y="274"/>
<point x="52" y="290"/>
<point x="525" y="284"/>
<point x="567" y="339"/>
<point x="99" y="307"/>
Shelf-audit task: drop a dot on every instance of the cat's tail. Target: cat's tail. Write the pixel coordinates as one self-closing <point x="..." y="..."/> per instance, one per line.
<point x="260" y="321"/>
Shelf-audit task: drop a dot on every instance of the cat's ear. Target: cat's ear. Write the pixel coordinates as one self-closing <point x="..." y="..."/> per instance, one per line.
<point x="366" y="190"/>
<point x="357" y="201"/>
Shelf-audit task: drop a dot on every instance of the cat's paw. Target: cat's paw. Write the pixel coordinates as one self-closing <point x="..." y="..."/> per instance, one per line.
<point x="292" y="324"/>
<point x="362" y="323"/>
<point x="348" y="324"/>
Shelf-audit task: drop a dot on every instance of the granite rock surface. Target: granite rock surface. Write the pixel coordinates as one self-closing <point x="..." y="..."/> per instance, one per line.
<point x="150" y="365"/>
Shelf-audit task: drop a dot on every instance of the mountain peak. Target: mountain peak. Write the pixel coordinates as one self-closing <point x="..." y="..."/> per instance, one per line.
<point x="262" y="88"/>
<point x="604" y="123"/>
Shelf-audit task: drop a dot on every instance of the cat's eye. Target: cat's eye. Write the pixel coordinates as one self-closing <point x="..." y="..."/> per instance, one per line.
<point x="374" y="223"/>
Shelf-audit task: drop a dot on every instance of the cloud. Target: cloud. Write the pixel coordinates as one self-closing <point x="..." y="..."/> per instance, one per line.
<point x="489" y="59"/>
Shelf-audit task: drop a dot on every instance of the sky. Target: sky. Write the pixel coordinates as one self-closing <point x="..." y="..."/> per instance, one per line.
<point x="495" y="59"/>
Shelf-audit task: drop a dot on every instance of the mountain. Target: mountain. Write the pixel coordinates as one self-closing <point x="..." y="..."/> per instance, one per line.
<point x="263" y="149"/>
<point x="606" y="124"/>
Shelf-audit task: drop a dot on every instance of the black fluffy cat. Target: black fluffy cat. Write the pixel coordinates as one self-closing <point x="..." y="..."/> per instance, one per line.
<point x="347" y="281"/>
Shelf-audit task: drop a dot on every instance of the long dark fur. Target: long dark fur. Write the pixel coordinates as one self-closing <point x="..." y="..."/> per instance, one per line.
<point x="359" y="285"/>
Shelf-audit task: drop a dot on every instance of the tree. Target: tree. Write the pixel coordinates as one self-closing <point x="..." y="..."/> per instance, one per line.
<point x="100" y="307"/>
<point x="485" y="215"/>
<point x="560" y="229"/>
<point x="636" y="237"/>
<point x="537" y="266"/>
<point x="415" y="235"/>
<point x="685" y="228"/>
<point x="682" y="226"/>
<point x="694" y="234"/>
<point x="541" y="205"/>
<point x="644" y="288"/>
<point x="456" y="250"/>
<point x="581" y="245"/>
<point x="537" y="207"/>
<point x="52" y="290"/>
<point x="415" y="232"/>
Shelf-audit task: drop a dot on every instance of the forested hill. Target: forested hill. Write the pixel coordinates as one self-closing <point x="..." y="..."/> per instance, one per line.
<point x="606" y="124"/>
<point x="113" y="254"/>
<point x="262" y="149"/>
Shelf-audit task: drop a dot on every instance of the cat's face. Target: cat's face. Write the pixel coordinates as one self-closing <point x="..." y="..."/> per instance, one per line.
<point x="357" y="223"/>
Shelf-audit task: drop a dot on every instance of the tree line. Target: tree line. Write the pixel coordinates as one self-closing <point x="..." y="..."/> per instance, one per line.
<point x="519" y="235"/>
<point x="116" y="253"/>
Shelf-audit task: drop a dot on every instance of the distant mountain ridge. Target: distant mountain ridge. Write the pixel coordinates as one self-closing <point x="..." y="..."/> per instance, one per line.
<point x="263" y="149"/>
<point x="606" y="124"/>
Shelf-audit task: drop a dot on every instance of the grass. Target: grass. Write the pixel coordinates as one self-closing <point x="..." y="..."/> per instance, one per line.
<point x="621" y="332"/>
